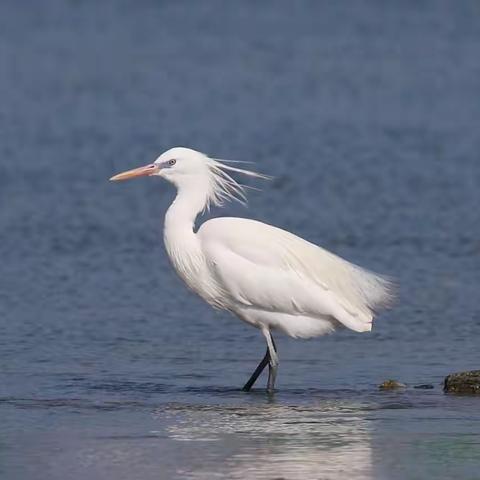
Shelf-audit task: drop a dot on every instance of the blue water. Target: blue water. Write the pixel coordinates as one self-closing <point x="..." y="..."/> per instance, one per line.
<point x="366" y="113"/>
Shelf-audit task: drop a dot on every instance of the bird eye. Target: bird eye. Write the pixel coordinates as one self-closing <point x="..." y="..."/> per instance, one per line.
<point x="172" y="162"/>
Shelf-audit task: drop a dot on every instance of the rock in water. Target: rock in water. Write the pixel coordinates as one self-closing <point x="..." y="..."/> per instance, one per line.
<point x="463" y="382"/>
<point x="391" y="385"/>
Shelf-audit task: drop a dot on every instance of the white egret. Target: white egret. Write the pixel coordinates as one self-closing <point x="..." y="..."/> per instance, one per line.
<point x="266" y="276"/>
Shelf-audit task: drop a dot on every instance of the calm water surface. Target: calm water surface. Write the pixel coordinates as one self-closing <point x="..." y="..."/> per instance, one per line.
<point x="367" y="115"/>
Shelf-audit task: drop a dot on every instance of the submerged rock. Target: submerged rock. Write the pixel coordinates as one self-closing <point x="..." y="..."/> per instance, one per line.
<point x="424" y="386"/>
<point x="391" y="385"/>
<point x="463" y="382"/>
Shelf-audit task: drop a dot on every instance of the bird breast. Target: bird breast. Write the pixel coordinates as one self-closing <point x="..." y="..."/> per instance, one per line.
<point x="191" y="266"/>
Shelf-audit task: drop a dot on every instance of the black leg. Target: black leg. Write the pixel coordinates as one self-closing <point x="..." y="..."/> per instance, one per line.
<point x="272" y="369"/>
<point x="265" y="361"/>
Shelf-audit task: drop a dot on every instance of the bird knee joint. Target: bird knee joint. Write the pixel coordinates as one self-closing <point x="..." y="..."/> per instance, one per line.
<point x="274" y="361"/>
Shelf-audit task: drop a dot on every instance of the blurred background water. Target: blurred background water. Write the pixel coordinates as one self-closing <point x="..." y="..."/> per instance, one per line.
<point x="366" y="113"/>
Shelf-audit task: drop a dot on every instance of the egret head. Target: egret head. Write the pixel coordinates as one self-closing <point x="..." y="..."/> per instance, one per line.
<point x="172" y="165"/>
<point x="181" y="165"/>
<point x="188" y="169"/>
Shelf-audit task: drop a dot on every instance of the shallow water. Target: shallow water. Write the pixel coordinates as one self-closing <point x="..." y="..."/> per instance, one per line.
<point x="367" y="116"/>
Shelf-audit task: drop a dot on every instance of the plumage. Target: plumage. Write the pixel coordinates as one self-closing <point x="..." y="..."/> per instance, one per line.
<point x="266" y="269"/>
<point x="268" y="277"/>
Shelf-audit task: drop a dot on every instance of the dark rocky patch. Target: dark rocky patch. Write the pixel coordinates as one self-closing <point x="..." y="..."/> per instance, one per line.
<point x="463" y="382"/>
<point x="391" y="385"/>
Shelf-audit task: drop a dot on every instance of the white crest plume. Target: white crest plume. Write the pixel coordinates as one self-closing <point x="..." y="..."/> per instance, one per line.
<point x="223" y="187"/>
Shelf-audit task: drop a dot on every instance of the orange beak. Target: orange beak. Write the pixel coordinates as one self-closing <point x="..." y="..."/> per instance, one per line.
<point x="145" y="171"/>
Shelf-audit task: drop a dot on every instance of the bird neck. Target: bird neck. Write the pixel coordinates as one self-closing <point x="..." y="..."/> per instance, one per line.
<point x="181" y="242"/>
<point x="181" y="214"/>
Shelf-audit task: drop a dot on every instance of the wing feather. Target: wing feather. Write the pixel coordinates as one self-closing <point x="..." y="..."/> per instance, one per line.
<point x="266" y="266"/>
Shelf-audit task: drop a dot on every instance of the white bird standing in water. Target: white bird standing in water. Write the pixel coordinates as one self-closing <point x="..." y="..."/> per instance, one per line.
<point x="266" y="276"/>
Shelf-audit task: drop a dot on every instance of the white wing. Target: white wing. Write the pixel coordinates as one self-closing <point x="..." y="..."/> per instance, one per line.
<point x="269" y="269"/>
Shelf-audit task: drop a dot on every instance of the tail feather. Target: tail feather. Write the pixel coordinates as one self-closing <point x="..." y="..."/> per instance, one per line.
<point x="378" y="292"/>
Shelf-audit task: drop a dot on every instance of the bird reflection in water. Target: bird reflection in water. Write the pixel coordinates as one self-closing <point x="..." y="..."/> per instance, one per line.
<point x="328" y="440"/>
